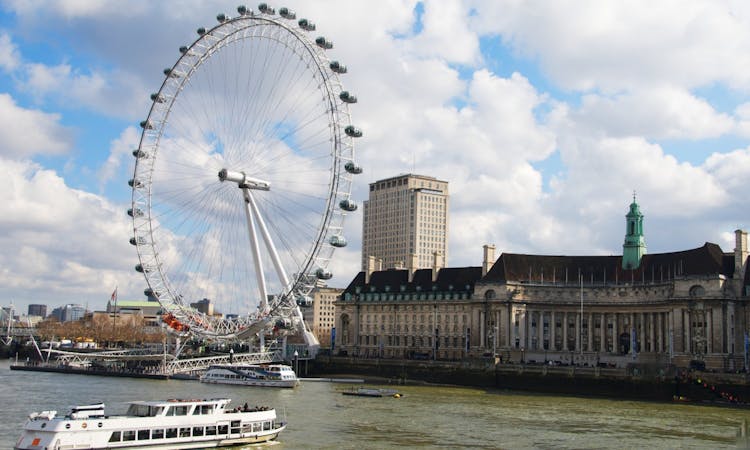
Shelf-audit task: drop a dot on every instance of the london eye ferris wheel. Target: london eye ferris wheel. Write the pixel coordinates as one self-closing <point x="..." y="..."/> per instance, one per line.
<point x="243" y="175"/>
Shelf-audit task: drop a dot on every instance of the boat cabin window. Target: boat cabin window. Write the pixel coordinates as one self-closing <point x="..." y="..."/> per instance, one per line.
<point x="115" y="437"/>
<point x="180" y="410"/>
<point x="211" y="431"/>
<point x="145" y="410"/>
<point x="157" y="434"/>
<point x="128" y="435"/>
<point x="266" y="425"/>
<point x="143" y="435"/>
<point x="171" y="433"/>
<point x="203" y="409"/>
<point x="197" y="431"/>
<point x="184" y="432"/>
<point x="223" y="429"/>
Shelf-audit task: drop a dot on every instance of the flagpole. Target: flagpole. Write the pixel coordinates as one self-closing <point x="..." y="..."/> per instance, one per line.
<point x="114" y="312"/>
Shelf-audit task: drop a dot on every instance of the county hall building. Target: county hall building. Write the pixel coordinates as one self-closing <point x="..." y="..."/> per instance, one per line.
<point x="678" y="307"/>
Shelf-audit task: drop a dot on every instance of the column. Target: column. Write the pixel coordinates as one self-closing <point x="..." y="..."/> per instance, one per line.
<point x="482" y="331"/>
<point x="522" y="328"/>
<point x="540" y="331"/>
<point x="510" y="322"/>
<point x="603" y="332"/>
<point x="578" y="332"/>
<point x="709" y="331"/>
<point x="590" y="332"/>
<point x="652" y="343"/>
<point x="660" y="329"/>
<point x="499" y="336"/>
<point x="615" y="333"/>
<point x="552" y="330"/>
<point x="565" y="331"/>
<point x="686" y="327"/>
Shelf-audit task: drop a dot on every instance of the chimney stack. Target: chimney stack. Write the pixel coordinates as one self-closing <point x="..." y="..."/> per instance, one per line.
<point x="489" y="258"/>
<point x="412" y="266"/>
<point x="370" y="268"/>
<point x="437" y="264"/>
<point x="740" y="254"/>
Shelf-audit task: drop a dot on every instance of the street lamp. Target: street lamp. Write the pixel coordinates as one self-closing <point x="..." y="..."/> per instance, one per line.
<point x="296" y="365"/>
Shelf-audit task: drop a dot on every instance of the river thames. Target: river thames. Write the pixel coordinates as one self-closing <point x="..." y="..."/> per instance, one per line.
<point x="320" y="417"/>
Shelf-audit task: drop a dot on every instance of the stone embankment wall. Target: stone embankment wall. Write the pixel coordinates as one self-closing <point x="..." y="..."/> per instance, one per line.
<point x="645" y="382"/>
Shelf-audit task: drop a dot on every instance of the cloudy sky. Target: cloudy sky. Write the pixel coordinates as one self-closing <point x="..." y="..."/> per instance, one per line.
<point x="544" y="116"/>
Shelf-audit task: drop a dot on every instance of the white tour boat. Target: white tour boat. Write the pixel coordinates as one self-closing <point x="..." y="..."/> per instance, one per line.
<point x="276" y="375"/>
<point x="170" y="424"/>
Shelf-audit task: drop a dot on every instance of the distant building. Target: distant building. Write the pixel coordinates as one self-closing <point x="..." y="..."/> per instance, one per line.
<point x="676" y="307"/>
<point x="69" y="312"/>
<point x="405" y="223"/>
<point x="205" y="306"/>
<point x="322" y="315"/>
<point x="37" y="310"/>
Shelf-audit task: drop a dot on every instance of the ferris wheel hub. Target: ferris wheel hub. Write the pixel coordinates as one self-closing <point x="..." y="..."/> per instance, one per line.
<point x="244" y="181"/>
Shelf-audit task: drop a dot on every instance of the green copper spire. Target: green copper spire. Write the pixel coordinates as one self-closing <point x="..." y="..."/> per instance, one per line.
<point x="635" y="244"/>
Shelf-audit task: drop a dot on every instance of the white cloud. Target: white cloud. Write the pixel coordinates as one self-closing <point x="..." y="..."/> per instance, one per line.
<point x="9" y="57"/>
<point x="663" y="112"/>
<point x="616" y="45"/>
<point x="120" y="149"/>
<point x="27" y="132"/>
<point x="60" y="242"/>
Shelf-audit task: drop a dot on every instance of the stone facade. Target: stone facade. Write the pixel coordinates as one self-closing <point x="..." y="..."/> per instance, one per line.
<point x="679" y="307"/>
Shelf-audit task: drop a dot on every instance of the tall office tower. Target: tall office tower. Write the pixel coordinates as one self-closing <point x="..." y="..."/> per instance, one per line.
<point x="405" y="223"/>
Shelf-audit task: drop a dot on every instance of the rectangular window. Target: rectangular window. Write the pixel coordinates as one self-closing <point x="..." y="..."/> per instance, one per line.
<point x="128" y="435"/>
<point x="211" y="431"/>
<point x="185" y="432"/>
<point x="157" y="434"/>
<point x="223" y="429"/>
<point x="171" y="433"/>
<point x="197" y="431"/>
<point x="143" y="435"/>
<point x="115" y="437"/>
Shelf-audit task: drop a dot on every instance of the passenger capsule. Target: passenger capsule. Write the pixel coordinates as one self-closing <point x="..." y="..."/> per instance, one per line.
<point x="337" y="241"/>
<point x="148" y="292"/>
<point x="201" y="31"/>
<point x="348" y="205"/>
<point x="287" y="13"/>
<point x="141" y="269"/>
<point x="304" y="301"/>
<point x="265" y="9"/>
<point x="183" y="49"/>
<point x="158" y="98"/>
<point x="324" y="43"/>
<point x="140" y="240"/>
<point x="337" y="67"/>
<point x="135" y="212"/>
<point x="346" y="97"/>
<point x="140" y="154"/>
<point x="323" y="274"/>
<point x="353" y="168"/>
<point x="284" y="323"/>
<point x="242" y="9"/>
<point x="172" y="73"/>
<point x="353" y="131"/>
<point x="135" y="183"/>
<point x="221" y="18"/>
<point x="147" y="125"/>
<point x="306" y="25"/>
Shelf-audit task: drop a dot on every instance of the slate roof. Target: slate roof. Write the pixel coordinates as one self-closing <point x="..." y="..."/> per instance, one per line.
<point x="457" y="277"/>
<point x="706" y="260"/>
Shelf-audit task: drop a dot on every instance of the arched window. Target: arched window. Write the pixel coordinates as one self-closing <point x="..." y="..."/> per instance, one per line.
<point x="697" y="291"/>
<point x="490" y="294"/>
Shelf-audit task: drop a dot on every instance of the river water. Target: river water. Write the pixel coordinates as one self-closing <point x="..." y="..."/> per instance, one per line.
<point x="320" y="417"/>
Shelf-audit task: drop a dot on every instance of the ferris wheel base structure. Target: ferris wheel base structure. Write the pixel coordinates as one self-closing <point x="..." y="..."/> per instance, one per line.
<point x="256" y="100"/>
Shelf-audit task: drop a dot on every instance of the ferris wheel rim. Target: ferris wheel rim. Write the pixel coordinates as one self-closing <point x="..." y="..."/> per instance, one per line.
<point x="331" y="224"/>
